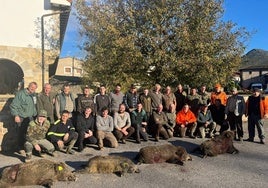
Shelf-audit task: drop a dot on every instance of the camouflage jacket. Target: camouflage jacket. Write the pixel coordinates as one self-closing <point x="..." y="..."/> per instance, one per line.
<point x="36" y="131"/>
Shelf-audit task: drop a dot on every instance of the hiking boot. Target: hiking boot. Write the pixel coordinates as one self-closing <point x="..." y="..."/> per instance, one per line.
<point x="22" y="152"/>
<point x="70" y="151"/>
<point x="249" y="140"/>
<point x="241" y="139"/>
<point x="80" y="148"/>
<point x="262" y="141"/>
<point x="211" y="135"/>
<point x="52" y="154"/>
<point x="138" y="141"/>
<point x="192" y="136"/>
<point x="40" y="154"/>
<point x="123" y="141"/>
<point x="101" y="148"/>
<point x="28" y="158"/>
<point x="157" y="139"/>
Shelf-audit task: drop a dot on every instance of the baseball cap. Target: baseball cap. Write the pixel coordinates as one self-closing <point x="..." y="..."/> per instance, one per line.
<point x="42" y="113"/>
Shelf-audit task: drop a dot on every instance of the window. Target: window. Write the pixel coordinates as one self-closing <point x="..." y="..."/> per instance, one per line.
<point x="67" y="70"/>
<point x="79" y="71"/>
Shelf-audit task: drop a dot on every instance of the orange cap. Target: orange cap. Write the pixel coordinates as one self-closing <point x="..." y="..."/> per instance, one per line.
<point x="217" y="85"/>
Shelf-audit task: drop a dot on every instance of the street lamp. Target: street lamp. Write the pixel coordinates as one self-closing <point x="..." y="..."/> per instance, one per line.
<point x="43" y="43"/>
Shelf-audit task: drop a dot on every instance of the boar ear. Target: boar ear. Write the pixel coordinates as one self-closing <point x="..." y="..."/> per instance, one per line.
<point x="124" y="165"/>
<point x="229" y="134"/>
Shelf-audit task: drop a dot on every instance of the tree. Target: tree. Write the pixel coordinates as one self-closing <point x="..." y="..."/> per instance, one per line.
<point x="164" y="41"/>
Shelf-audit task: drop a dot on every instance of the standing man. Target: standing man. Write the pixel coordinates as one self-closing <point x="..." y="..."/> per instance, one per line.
<point x="116" y="98"/>
<point x="46" y="101"/>
<point x="131" y="98"/>
<point x="204" y="95"/>
<point x="218" y="115"/>
<point x="65" y="101"/>
<point x="146" y="102"/>
<point x="168" y="99"/>
<point x="23" y="108"/>
<point x="194" y="101"/>
<point x="256" y="110"/>
<point x="84" y="101"/>
<point x="102" y="100"/>
<point x="36" y="136"/>
<point x="157" y="97"/>
<point x="218" y="94"/>
<point x="180" y="97"/>
<point x="62" y="133"/>
<point x="234" y="110"/>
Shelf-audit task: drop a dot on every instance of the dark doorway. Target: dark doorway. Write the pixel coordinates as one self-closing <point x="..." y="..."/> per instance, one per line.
<point x="11" y="76"/>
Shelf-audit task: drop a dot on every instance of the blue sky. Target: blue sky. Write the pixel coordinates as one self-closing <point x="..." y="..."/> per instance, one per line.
<point x="251" y="14"/>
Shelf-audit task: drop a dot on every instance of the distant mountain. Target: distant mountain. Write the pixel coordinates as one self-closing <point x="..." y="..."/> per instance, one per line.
<point x="255" y="57"/>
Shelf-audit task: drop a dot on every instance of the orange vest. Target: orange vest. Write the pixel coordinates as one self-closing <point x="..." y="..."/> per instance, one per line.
<point x="222" y="96"/>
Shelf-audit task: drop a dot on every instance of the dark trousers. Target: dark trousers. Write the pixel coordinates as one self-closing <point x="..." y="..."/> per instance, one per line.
<point x="160" y="130"/>
<point x="119" y="135"/>
<point x="70" y="142"/>
<point x="235" y="123"/>
<point x="82" y="141"/>
<point x="252" y="121"/>
<point x="22" y="130"/>
<point x="140" y="131"/>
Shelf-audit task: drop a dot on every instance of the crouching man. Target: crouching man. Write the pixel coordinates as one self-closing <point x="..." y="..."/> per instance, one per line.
<point x="36" y="136"/>
<point x="105" y="126"/>
<point x="122" y="124"/>
<point x="161" y="125"/>
<point x="62" y="133"/>
<point x="186" y="120"/>
<point x="205" y="122"/>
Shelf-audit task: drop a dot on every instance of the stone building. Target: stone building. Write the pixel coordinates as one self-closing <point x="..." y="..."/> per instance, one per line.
<point x="26" y="40"/>
<point x="31" y="35"/>
<point x="69" y="66"/>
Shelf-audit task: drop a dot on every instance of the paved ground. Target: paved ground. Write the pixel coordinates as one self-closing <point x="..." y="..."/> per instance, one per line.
<point x="249" y="168"/>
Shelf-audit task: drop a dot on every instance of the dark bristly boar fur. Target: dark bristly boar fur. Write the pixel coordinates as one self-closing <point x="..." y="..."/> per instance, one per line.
<point x="37" y="172"/>
<point x="110" y="164"/>
<point x="163" y="153"/>
<point x="219" y="145"/>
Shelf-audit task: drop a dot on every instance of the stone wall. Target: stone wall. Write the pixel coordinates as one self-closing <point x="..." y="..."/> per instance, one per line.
<point x="8" y="133"/>
<point x="7" y="129"/>
<point x="29" y="59"/>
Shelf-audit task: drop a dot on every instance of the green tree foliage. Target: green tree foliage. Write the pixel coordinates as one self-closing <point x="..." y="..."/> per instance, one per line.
<point x="163" y="41"/>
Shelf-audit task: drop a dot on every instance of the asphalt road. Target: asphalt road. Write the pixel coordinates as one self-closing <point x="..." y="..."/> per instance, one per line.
<point x="247" y="169"/>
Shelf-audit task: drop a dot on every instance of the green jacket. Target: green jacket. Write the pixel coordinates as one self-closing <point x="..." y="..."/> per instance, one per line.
<point x="37" y="132"/>
<point x="45" y="102"/>
<point x="23" y="104"/>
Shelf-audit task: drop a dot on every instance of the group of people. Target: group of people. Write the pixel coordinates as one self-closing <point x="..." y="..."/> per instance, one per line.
<point x="48" y="122"/>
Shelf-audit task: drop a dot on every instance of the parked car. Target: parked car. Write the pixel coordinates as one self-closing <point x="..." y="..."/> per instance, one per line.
<point x="256" y="85"/>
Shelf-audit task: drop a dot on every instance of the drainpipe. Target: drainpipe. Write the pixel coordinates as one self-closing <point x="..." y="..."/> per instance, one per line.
<point x="43" y="43"/>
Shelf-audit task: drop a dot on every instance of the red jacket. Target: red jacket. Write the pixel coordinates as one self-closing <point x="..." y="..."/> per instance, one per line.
<point x="183" y="117"/>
